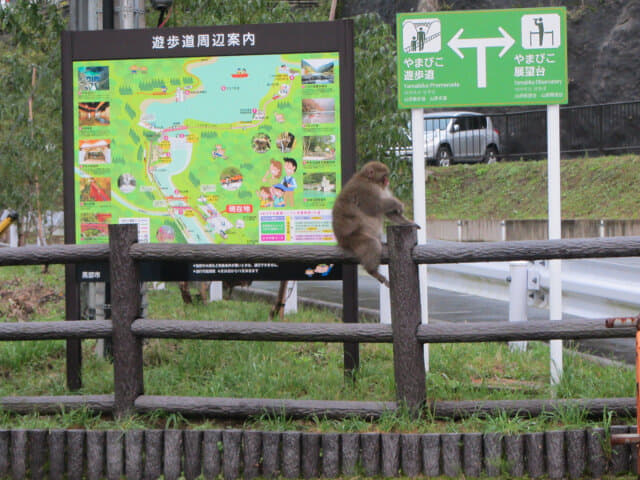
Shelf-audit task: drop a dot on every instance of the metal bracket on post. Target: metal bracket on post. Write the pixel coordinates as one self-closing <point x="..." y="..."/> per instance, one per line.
<point x="535" y="272"/>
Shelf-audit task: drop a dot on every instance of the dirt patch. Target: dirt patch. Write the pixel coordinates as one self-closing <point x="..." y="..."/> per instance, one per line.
<point x="20" y="302"/>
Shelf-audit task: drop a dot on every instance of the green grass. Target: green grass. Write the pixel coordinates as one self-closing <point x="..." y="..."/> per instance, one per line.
<point x="592" y="188"/>
<point x="488" y="371"/>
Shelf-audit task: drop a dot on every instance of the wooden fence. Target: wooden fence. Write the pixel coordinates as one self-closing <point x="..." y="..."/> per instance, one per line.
<point x="211" y="454"/>
<point x="406" y="333"/>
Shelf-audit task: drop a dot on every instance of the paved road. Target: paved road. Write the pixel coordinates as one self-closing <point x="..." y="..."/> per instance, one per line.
<point x="454" y="307"/>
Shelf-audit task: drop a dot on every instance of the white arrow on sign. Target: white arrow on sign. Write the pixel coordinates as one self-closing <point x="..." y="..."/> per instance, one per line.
<point x="481" y="45"/>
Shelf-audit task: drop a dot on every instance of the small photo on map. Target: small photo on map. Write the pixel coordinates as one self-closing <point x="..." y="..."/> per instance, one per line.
<point x="318" y="110"/>
<point x="94" y="114"/>
<point x="261" y="142"/>
<point x="285" y="142"/>
<point x="319" y="184"/>
<point x="317" y="71"/>
<point x="126" y="183"/>
<point x="166" y="234"/>
<point x="231" y="178"/>
<point x="95" y="189"/>
<point x="94" y="152"/>
<point x="94" y="231"/>
<point x="319" y="147"/>
<point x="93" y="78"/>
<point x="92" y="217"/>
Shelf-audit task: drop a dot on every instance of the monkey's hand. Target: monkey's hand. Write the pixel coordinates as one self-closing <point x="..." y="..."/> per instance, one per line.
<point x="399" y="219"/>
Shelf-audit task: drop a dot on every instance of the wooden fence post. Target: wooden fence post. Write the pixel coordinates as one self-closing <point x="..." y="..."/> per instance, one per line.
<point x="125" y="308"/>
<point x="408" y="352"/>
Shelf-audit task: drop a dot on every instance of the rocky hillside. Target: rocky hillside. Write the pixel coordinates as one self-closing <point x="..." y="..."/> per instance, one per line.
<point x="603" y="40"/>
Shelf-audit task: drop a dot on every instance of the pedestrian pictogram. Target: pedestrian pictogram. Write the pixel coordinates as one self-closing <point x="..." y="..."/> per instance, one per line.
<point x="421" y="36"/>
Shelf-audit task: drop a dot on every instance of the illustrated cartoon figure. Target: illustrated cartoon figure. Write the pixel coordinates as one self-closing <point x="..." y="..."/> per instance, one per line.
<point x="278" y="196"/>
<point x="323" y="269"/>
<point x="274" y="172"/>
<point x="266" y="200"/>
<point x="219" y="152"/>
<point x="288" y="184"/>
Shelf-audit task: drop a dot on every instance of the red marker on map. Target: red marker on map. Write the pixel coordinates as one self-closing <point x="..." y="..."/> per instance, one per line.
<point x="223" y="88"/>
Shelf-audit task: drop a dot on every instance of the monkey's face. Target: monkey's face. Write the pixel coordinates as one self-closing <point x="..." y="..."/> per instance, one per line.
<point x="376" y="172"/>
<point x="384" y="181"/>
<point x="381" y="176"/>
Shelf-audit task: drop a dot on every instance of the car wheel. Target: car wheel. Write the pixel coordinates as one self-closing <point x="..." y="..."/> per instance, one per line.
<point x="491" y="155"/>
<point x="443" y="157"/>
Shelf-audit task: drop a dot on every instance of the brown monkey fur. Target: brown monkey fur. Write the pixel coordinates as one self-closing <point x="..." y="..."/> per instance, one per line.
<point x="358" y="215"/>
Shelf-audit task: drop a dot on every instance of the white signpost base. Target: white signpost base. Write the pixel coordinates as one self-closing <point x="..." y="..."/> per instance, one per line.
<point x="215" y="291"/>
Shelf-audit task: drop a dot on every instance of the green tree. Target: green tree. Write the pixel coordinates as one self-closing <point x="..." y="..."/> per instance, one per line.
<point x="380" y="125"/>
<point x="30" y="107"/>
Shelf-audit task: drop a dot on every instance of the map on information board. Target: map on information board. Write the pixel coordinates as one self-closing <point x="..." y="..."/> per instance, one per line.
<point x="238" y="149"/>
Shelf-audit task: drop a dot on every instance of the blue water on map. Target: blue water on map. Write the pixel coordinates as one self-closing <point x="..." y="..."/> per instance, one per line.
<point x="224" y="96"/>
<point x="180" y="157"/>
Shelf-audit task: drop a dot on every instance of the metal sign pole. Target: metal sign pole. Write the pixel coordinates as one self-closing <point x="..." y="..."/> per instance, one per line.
<point x="420" y="208"/>
<point x="555" y="232"/>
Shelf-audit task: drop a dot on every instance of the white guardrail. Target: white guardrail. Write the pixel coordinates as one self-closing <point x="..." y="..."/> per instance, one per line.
<point x="591" y="288"/>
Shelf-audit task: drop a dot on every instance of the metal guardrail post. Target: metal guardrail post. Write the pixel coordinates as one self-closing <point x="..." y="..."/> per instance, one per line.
<point x="518" y="298"/>
<point x="408" y="352"/>
<point x="125" y="301"/>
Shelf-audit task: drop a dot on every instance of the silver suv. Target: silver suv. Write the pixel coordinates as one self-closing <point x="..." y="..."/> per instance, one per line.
<point x="460" y="137"/>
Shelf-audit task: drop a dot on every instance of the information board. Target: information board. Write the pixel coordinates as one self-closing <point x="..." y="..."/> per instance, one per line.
<point x="482" y="57"/>
<point x="231" y="135"/>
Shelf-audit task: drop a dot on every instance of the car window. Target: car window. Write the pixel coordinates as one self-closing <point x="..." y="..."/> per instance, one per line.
<point x="431" y="124"/>
<point x="472" y="123"/>
<point x="478" y="123"/>
<point x="463" y="123"/>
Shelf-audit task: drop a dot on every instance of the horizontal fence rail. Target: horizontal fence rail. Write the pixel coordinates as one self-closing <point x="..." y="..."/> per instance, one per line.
<point x="262" y="331"/>
<point x="248" y="407"/>
<point x="300" y="409"/>
<point x="239" y="253"/>
<point x="53" y="254"/>
<point x="56" y="330"/>
<point x="50" y="405"/>
<point x="433" y="252"/>
<point x="437" y="252"/>
<point x="378" y="333"/>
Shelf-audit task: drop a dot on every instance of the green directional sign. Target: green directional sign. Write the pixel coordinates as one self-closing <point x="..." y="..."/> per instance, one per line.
<point x="482" y="57"/>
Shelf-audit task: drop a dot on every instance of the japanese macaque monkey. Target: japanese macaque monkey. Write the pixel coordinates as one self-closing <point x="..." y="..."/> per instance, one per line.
<point x="358" y="215"/>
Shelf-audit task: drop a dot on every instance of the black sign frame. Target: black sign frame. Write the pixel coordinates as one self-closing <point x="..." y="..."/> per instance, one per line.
<point x="254" y="39"/>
